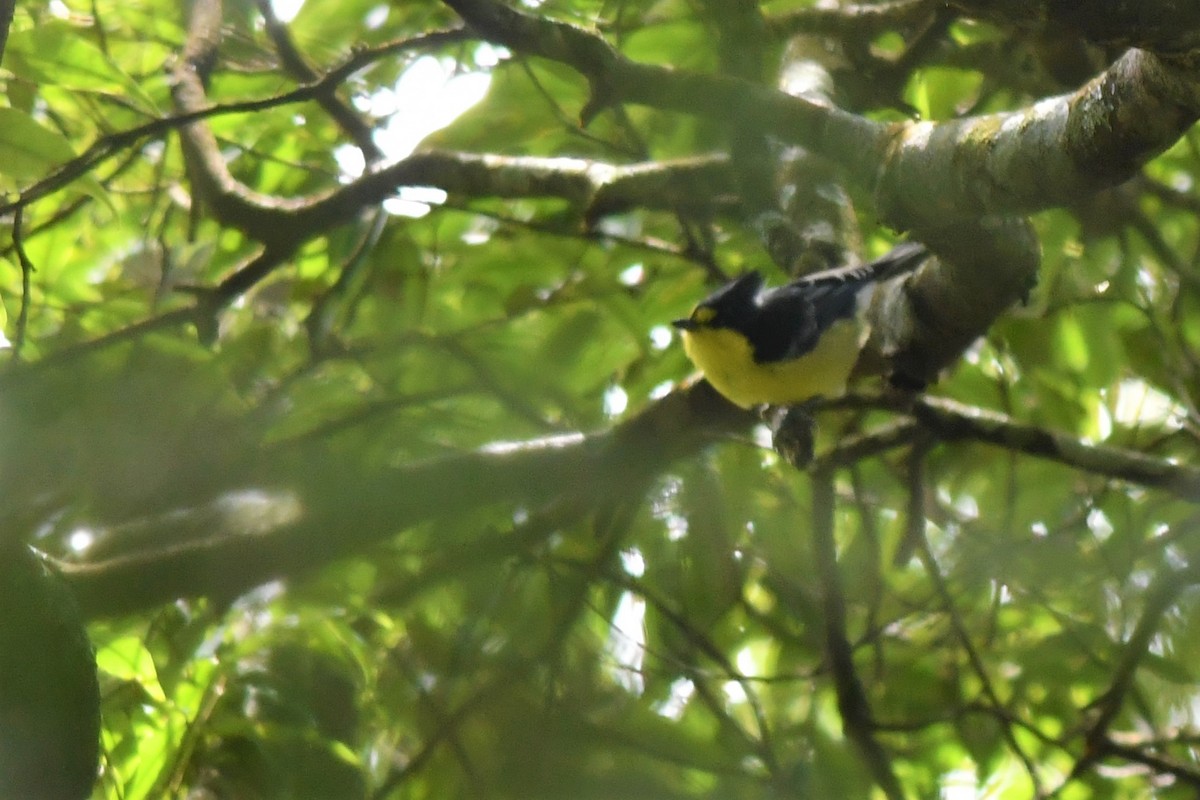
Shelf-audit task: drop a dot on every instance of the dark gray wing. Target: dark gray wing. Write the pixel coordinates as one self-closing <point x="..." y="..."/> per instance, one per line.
<point x="792" y="318"/>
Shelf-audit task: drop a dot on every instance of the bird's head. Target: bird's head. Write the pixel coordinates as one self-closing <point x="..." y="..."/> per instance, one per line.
<point x="731" y="306"/>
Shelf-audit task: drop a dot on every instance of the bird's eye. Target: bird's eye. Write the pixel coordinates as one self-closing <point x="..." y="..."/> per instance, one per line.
<point x="703" y="315"/>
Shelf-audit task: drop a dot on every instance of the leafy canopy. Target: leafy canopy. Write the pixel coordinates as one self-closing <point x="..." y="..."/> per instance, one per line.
<point x="222" y="391"/>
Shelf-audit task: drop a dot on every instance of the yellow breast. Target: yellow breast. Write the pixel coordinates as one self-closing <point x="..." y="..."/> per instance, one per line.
<point x="727" y="361"/>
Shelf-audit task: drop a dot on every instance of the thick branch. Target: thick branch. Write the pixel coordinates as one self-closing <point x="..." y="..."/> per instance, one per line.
<point x="922" y="323"/>
<point x="1050" y="154"/>
<point x="593" y="188"/>
<point x="1168" y="27"/>
<point x="346" y="511"/>
<point x="924" y="174"/>
<point x="342" y="510"/>
<point x="261" y="217"/>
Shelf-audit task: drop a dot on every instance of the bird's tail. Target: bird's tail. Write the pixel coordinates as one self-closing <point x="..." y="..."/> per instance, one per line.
<point x="902" y="258"/>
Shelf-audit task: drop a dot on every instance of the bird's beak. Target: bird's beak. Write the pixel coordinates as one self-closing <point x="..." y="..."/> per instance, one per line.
<point x="684" y="324"/>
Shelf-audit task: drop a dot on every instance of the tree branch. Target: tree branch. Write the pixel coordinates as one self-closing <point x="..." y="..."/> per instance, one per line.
<point x="924" y="175"/>
<point x="852" y="700"/>
<point x="342" y="510"/>
<point x="1160" y="597"/>
<point x="7" y="9"/>
<point x="953" y="421"/>
<point x="594" y="189"/>
<point x="1047" y="155"/>
<point x="299" y="69"/>
<point x="1167" y="27"/>
<point x="615" y="79"/>
<point x="864" y="21"/>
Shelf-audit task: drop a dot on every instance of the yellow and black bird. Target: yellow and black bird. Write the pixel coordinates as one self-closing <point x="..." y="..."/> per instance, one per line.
<point x="786" y="345"/>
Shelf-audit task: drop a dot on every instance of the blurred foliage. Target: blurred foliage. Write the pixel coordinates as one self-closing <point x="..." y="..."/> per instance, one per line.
<point x="49" y="697"/>
<point x="670" y="645"/>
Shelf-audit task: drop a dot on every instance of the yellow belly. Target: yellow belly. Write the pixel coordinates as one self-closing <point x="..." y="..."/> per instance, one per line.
<point x="728" y="363"/>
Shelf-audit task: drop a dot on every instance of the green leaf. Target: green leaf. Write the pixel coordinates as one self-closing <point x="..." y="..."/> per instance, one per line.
<point x="127" y="658"/>
<point x="30" y="151"/>
<point x="58" y="54"/>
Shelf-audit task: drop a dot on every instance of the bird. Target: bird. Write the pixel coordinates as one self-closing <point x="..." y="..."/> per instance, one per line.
<point x="787" y="345"/>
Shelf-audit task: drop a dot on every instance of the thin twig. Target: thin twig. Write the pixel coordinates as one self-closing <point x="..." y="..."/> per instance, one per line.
<point x="107" y="146"/>
<point x="852" y="698"/>
<point x="26" y="286"/>
<point x="916" y="523"/>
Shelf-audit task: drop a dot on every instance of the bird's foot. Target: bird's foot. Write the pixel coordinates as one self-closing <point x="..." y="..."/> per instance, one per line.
<point x="793" y="433"/>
